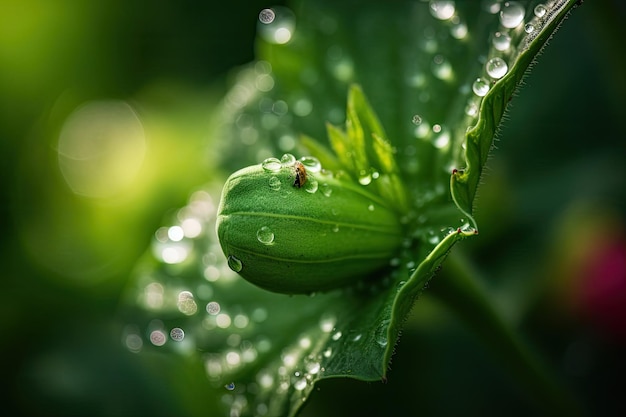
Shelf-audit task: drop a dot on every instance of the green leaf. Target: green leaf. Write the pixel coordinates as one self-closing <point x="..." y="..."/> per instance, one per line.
<point x="263" y="352"/>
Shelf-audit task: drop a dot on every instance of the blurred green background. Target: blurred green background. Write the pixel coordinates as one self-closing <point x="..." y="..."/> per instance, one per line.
<point x="552" y="211"/>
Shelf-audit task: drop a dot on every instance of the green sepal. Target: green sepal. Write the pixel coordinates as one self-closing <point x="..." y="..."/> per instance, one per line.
<point x="328" y="234"/>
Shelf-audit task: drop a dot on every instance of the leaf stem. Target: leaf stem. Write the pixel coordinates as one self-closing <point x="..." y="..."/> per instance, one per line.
<point x="462" y="291"/>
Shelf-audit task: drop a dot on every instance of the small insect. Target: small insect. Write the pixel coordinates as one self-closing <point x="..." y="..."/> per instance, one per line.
<point x="300" y="174"/>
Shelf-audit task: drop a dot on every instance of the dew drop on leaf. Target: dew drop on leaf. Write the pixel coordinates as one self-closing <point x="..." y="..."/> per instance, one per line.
<point x="471" y="109"/>
<point x="271" y="165"/>
<point x="540" y="10"/>
<point x="274" y="183"/>
<point x="311" y="186"/>
<point x="311" y="163"/>
<point x="265" y="235"/>
<point x="327" y="323"/>
<point x="326" y="190"/>
<point x="287" y="160"/>
<point x="459" y="30"/>
<point x="313" y="367"/>
<point x="365" y="178"/>
<point x="496" y="68"/>
<point x="442" y="9"/>
<point x="300" y="384"/>
<point x="501" y="41"/>
<point x="480" y="87"/>
<point x="234" y="263"/>
<point x="511" y="14"/>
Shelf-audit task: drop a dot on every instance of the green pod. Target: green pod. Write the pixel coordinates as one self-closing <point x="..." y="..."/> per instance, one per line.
<point x="293" y="232"/>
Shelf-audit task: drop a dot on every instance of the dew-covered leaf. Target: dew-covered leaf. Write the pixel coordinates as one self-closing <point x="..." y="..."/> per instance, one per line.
<point x="435" y="78"/>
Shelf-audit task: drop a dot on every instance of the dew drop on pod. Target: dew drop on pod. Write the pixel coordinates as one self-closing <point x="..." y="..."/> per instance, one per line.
<point x="290" y="229"/>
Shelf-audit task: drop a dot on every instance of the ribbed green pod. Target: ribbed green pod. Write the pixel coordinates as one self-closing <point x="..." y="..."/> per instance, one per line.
<point x="327" y="233"/>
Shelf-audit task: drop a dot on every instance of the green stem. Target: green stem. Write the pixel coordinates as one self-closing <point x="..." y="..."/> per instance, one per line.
<point x="462" y="291"/>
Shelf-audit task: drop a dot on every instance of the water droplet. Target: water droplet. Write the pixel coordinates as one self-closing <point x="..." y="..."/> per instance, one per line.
<point x="186" y="304"/>
<point x="233" y="358"/>
<point x="157" y="338"/>
<point x="276" y="25"/>
<point x="177" y="334"/>
<point x="274" y="183"/>
<point x="422" y="130"/>
<point x="265" y="235"/>
<point x="259" y="314"/>
<point x="540" y="10"/>
<point x="459" y="30"/>
<point x="234" y="263"/>
<point x="501" y="41"/>
<point x="264" y="83"/>
<point x="287" y="160"/>
<point x="336" y="336"/>
<point x="267" y="16"/>
<point x="261" y="409"/>
<point x="480" y="87"/>
<point x="311" y="163"/>
<point x="327" y="323"/>
<point x="271" y="165"/>
<point x="529" y="28"/>
<point x="441" y="140"/>
<point x="417" y="120"/>
<point x="382" y="340"/>
<point x="371" y="207"/>
<point x="311" y="186"/>
<point x="492" y="6"/>
<point x="302" y="107"/>
<point x="441" y="68"/>
<point x="265" y="379"/>
<point x="213" y="308"/>
<point x="434" y="240"/>
<point x="223" y="321"/>
<point x="342" y="69"/>
<point x="176" y="233"/>
<point x="230" y="386"/>
<point x="496" y="68"/>
<point x="326" y="190"/>
<point x="471" y="109"/>
<point x="304" y="342"/>
<point x="241" y="321"/>
<point x="365" y="178"/>
<point x="280" y="107"/>
<point x="441" y="9"/>
<point x="357" y="337"/>
<point x="512" y="14"/>
<point x="313" y="367"/>
<point x="300" y="384"/>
